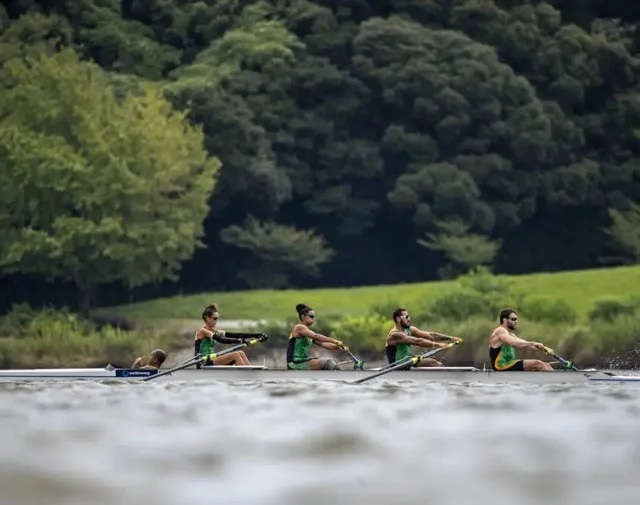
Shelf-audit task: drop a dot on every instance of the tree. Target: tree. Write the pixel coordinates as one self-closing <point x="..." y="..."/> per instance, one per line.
<point x="97" y="189"/>
<point x="625" y="232"/>
<point x="463" y="250"/>
<point x="280" y="251"/>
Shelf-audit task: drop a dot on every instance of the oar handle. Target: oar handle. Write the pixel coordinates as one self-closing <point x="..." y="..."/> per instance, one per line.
<point x="565" y="362"/>
<point x="358" y="364"/>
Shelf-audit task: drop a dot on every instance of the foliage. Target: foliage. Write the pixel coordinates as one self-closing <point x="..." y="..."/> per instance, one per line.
<point x="579" y="288"/>
<point x="371" y="124"/>
<point x="625" y="232"/>
<point x="366" y="333"/>
<point x="465" y="251"/>
<point x="279" y="251"/>
<point x="609" y="308"/>
<point x="476" y="294"/>
<point x="32" y="338"/>
<point x="546" y="309"/>
<point x="98" y="189"/>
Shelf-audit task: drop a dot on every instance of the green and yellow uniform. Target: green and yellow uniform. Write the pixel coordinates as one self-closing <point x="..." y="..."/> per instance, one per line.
<point x="503" y="359"/>
<point x="397" y="352"/>
<point x="298" y="352"/>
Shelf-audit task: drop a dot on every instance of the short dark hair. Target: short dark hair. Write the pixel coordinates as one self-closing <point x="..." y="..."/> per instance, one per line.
<point x="505" y="314"/>
<point x="159" y="355"/>
<point x="398" y="312"/>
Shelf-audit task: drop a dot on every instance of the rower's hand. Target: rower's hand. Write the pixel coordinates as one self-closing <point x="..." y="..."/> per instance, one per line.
<point x="443" y="344"/>
<point x="457" y="340"/>
<point x="539" y="346"/>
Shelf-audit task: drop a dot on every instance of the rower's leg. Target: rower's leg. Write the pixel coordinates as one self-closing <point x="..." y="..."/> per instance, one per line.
<point x="429" y="362"/>
<point x="238" y="357"/>
<point x="535" y="365"/>
<point x="323" y="364"/>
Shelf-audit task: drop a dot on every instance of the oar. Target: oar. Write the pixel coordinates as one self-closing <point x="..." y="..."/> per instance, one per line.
<point x="411" y="361"/>
<point x="211" y="356"/>
<point x="569" y="365"/>
<point x="357" y="363"/>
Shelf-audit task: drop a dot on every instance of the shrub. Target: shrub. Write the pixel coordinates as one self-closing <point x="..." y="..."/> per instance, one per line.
<point x="477" y="294"/>
<point x="608" y="309"/>
<point x="52" y="339"/>
<point x="551" y="310"/>
<point x="364" y="334"/>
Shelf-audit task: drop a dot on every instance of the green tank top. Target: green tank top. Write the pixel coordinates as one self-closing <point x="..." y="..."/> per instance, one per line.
<point x="207" y="345"/>
<point x="506" y="356"/>
<point x="298" y="349"/>
<point x="404" y="350"/>
<point x="397" y="352"/>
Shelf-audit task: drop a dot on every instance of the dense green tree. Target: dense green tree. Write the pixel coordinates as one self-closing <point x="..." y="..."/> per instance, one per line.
<point x="377" y="123"/>
<point x="97" y="189"/>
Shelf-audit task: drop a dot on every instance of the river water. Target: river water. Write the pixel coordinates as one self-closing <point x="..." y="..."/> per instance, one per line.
<point x="318" y="443"/>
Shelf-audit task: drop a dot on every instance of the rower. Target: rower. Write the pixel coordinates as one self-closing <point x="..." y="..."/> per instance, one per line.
<point x="302" y="337"/>
<point x="208" y="334"/>
<point x="502" y="343"/>
<point x="402" y="336"/>
<point x="152" y="362"/>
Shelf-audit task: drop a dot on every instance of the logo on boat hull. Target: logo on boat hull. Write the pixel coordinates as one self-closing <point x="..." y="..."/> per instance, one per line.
<point x="135" y="373"/>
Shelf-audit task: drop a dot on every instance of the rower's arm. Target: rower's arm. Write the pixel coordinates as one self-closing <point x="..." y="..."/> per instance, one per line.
<point x="432" y="335"/>
<point x="506" y="338"/>
<point x="317" y="338"/>
<point x="327" y="345"/>
<point x="402" y="338"/>
<point x="223" y="337"/>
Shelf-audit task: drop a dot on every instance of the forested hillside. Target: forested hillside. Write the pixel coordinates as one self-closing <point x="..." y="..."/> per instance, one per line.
<point x="305" y="143"/>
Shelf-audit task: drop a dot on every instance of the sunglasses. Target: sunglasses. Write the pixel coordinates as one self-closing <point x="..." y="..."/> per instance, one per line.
<point x="215" y="318"/>
<point x="312" y="316"/>
<point x="513" y="319"/>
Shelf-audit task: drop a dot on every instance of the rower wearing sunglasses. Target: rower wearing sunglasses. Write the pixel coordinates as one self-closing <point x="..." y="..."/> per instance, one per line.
<point x="208" y="335"/>
<point x="302" y="338"/>
<point x="502" y="345"/>
<point x="402" y="336"/>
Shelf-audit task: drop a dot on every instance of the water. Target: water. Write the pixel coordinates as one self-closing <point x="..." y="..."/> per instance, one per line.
<point x="318" y="443"/>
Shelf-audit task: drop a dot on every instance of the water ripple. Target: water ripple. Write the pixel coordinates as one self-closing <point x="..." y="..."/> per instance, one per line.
<point x="318" y="443"/>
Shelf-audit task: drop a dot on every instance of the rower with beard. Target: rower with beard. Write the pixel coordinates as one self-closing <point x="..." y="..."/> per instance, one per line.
<point x="402" y="336"/>
<point x="502" y="343"/>
<point x="206" y="337"/>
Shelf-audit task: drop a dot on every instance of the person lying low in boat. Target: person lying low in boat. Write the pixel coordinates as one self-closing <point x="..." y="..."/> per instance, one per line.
<point x="152" y="362"/>
<point x="502" y="345"/>
<point x="302" y="338"/>
<point x="402" y="336"/>
<point x="205" y="338"/>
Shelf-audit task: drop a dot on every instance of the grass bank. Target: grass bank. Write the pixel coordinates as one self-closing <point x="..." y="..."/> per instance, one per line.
<point x="59" y="339"/>
<point x="580" y="289"/>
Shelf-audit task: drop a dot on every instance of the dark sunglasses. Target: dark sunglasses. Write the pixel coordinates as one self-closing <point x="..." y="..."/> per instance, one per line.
<point x="312" y="316"/>
<point x="215" y="318"/>
<point x="513" y="319"/>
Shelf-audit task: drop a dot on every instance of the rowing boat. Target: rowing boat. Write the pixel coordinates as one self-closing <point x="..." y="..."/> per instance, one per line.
<point x="265" y="374"/>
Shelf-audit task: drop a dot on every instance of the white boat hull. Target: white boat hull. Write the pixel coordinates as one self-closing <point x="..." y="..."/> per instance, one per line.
<point x="252" y="373"/>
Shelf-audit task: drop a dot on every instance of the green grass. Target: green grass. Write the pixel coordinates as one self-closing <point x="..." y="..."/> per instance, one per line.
<point x="578" y="288"/>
